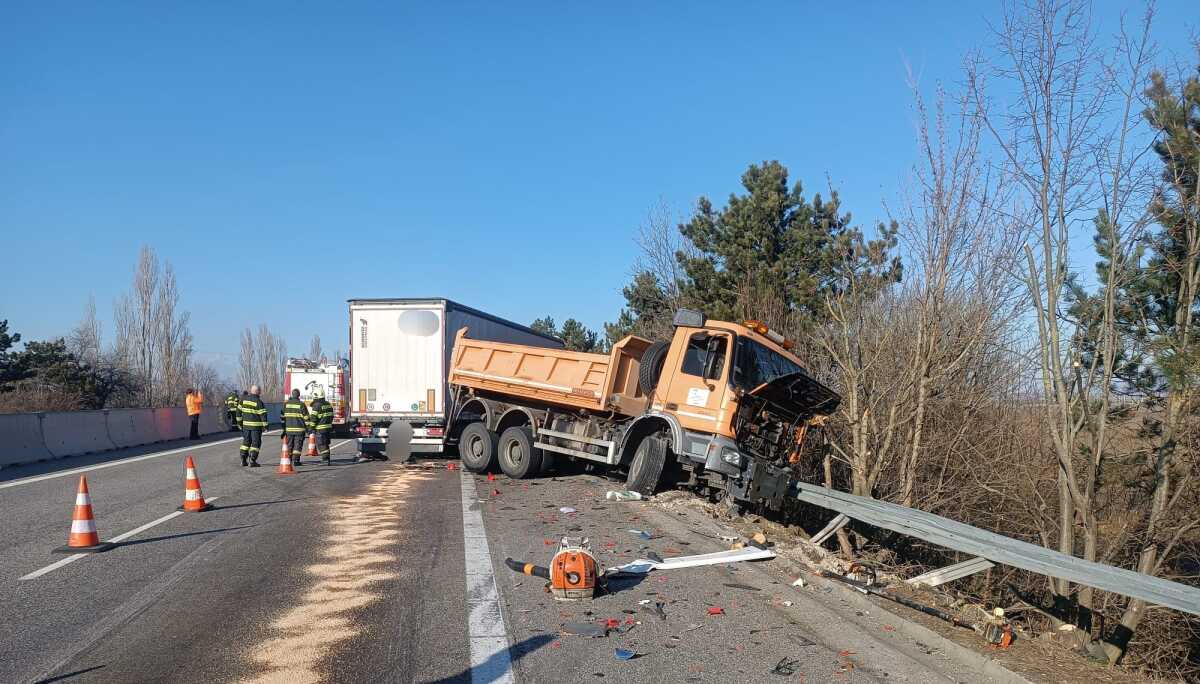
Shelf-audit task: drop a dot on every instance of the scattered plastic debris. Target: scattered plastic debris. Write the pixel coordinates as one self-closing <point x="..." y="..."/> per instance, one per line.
<point x="759" y="538"/>
<point x="788" y="604"/>
<point x="587" y="629"/>
<point x="716" y="610"/>
<point x="566" y="509"/>
<point x="623" y="495"/>
<point x="495" y="492"/>
<point x="644" y="602"/>
<point x="743" y="587"/>
<point x="624" y="654"/>
<point x="785" y="667"/>
<point x="799" y="582"/>
<point x="491" y="477"/>
<point x="451" y="466"/>
<point x="656" y="609"/>
<point x="642" y="534"/>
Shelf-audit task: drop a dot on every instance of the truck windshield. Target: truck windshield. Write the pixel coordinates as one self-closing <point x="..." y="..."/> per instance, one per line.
<point x="757" y="364"/>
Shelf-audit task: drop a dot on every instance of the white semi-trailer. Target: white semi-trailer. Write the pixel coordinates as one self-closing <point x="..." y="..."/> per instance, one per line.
<point x="399" y="358"/>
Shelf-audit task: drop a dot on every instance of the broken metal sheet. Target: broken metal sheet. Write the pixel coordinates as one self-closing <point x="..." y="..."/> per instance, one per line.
<point x="1003" y="550"/>
<point x="643" y="566"/>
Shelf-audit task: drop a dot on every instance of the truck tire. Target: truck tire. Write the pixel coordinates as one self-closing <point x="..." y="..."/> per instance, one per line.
<point x="399" y="442"/>
<point x="651" y="365"/>
<point x="647" y="465"/>
<point x="477" y="448"/>
<point x="518" y="459"/>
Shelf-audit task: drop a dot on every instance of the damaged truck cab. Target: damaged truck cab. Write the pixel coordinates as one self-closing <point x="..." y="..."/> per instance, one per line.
<point x="721" y="406"/>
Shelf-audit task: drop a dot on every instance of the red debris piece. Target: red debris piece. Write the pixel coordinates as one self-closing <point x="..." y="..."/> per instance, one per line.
<point x="715" y="610"/>
<point x="491" y="477"/>
<point x="548" y="542"/>
<point x="889" y="628"/>
<point x="495" y="492"/>
<point x="612" y="623"/>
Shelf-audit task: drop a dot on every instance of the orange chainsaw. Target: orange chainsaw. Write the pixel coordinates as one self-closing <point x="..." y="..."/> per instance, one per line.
<point x="573" y="571"/>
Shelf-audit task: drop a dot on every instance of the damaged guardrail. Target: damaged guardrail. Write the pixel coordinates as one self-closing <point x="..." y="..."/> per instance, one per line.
<point x="1000" y="549"/>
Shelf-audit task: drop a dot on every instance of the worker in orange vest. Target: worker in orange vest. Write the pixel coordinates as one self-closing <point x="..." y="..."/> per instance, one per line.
<point x="195" y="404"/>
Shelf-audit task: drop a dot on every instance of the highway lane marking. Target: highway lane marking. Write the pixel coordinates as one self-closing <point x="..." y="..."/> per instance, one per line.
<point x="490" y="660"/>
<point x="110" y="464"/>
<point x="120" y="537"/>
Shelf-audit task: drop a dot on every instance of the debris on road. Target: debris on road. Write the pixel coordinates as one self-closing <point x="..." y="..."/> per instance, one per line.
<point x="566" y="509"/>
<point x="655" y="609"/>
<point x="586" y="629"/>
<point x="625" y="654"/>
<point x="643" y="566"/>
<point x="716" y="610"/>
<point x="785" y="667"/>
<point x="623" y="495"/>
<point x="644" y="535"/>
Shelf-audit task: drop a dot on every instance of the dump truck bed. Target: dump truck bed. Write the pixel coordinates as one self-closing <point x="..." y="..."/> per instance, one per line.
<point x="594" y="382"/>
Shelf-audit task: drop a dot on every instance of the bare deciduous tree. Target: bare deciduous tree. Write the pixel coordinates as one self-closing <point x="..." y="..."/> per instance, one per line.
<point x="85" y="339"/>
<point x="247" y="361"/>
<point x="314" y="349"/>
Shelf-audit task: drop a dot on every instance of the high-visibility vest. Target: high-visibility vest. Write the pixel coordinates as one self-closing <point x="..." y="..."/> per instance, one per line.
<point x="320" y="415"/>
<point x="295" y="417"/>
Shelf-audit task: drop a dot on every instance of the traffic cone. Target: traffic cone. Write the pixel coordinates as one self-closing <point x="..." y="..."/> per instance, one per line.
<point x="285" y="461"/>
<point x="83" y="538"/>
<point x="311" y="450"/>
<point x="193" y="498"/>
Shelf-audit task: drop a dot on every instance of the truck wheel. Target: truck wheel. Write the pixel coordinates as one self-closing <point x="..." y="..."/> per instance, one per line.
<point x="647" y="465"/>
<point x="399" y="442"/>
<point x="477" y="448"/>
<point x="518" y="458"/>
<point x="651" y="365"/>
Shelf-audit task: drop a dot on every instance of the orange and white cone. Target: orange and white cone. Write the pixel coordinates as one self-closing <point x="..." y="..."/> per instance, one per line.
<point x="285" y="461"/>
<point x="83" y="538"/>
<point x="311" y="449"/>
<point x="193" y="498"/>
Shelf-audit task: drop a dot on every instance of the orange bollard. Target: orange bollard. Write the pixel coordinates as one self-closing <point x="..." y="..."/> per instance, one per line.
<point x="193" y="498"/>
<point x="83" y="538"/>
<point x="285" y="461"/>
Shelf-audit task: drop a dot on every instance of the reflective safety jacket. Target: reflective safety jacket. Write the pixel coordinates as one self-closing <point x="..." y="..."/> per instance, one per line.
<point x="231" y="402"/>
<point x="320" y="415"/>
<point x="295" y="417"/>
<point x="252" y="414"/>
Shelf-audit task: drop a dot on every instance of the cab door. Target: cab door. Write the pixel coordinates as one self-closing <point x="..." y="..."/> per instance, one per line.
<point x="698" y="372"/>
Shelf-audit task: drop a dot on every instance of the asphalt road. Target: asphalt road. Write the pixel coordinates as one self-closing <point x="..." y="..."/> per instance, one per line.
<point x="364" y="573"/>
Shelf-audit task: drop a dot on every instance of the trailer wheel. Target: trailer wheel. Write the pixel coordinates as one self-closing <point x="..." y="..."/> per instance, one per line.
<point x="647" y="465"/>
<point x="477" y="448"/>
<point x="651" y="365"/>
<point x="518" y="458"/>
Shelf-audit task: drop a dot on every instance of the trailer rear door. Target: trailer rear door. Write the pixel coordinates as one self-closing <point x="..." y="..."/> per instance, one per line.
<point x="397" y="358"/>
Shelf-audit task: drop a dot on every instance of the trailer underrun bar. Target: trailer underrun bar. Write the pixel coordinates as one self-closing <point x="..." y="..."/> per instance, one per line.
<point x="1000" y="549"/>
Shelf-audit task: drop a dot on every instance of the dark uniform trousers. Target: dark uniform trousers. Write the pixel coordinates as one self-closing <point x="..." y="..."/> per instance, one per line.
<point x="295" y="442"/>
<point x="251" y="444"/>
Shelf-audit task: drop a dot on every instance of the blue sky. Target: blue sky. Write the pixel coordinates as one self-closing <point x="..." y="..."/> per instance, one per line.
<point x="285" y="157"/>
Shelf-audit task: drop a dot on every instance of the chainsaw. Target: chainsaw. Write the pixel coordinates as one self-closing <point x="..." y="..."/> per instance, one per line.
<point x="573" y="571"/>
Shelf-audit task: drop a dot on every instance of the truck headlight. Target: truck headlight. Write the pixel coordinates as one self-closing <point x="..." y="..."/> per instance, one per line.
<point x="732" y="457"/>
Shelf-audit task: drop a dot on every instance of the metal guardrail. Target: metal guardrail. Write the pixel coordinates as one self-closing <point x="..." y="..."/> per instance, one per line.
<point x="1000" y="549"/>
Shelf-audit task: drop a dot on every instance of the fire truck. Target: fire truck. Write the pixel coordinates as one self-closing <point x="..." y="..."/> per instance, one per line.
<point x="334" y="378"/>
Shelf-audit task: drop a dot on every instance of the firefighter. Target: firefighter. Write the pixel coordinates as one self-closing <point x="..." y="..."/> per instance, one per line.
<point x="252" y="417"/>
<point x="231" y="411"/>
<point x="320" y="421"/>
<point x="295" y="424"/>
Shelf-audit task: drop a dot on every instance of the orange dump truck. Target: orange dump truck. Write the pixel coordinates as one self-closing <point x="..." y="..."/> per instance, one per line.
<point x="722" y="406"/>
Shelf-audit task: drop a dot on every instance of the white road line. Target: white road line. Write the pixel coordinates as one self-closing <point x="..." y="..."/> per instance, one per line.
<point x="490" y="661"/>
<point x="120" y="537"/>
<point x="110" y="464"/>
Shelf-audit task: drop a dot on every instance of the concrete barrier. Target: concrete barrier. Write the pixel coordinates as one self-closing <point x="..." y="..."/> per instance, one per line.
<point x="211" y="421"/>
<point x="171" y="423"/>
<point x="131" y="427"/>
<point x="76" y="432"/>
<point x="21" y="439"/>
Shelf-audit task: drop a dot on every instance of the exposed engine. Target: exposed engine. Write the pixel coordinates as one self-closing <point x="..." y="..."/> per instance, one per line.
<point x="769" y="432"/>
